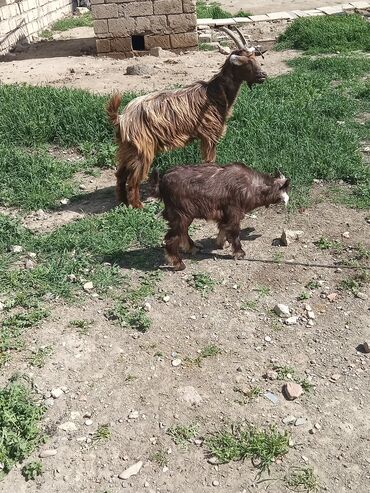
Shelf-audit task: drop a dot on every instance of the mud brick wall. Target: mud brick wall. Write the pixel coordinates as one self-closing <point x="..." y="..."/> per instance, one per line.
<point x="127" y="27"/>
<point x="22" y="20"/>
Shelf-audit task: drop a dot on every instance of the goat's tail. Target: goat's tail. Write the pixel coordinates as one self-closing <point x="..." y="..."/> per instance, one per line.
<point x="112" y="109"/>
<point x="154" y="184"/>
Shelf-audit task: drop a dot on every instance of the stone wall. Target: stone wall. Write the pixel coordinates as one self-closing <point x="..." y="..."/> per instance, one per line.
<point x="22" y="20"/>
<point x="127" y="27"/>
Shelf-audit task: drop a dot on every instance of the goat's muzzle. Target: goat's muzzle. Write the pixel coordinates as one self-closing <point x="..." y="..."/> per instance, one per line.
<point x="261" y="77"/>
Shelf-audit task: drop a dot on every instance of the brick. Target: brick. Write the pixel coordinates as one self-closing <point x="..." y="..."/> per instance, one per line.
<point x="314" y="12"/>
<point x="159" y="25"/>
<point x="360" y="5"/>
<point x="102" y="45"/>
<point x="121" y="44"/>
<point x="259" y="18"/>
<point x="242" y="20"/>
<point x="182" y="23"/>
<point x="347" y="6"/>
<point x="106" y="11"/>
<point x="188" y="6"/>
<point x="142" y="24"/>
<point x="136" y="9"/>
<point x="279" y="16"/>
<point x="223" y="22"/>
<point x="96" y="2"/>
<point x="184" y="40"/>
<point x="300" y="13"/>
<point x="163" y="41"/>
<point x="101" y="26"/>
<point x="331" y="10"/>
<point x="168" y="7"/>
<point x="121" y="27"/>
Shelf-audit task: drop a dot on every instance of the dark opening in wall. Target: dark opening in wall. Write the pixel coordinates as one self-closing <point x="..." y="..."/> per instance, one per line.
<point x="138" y="43"/>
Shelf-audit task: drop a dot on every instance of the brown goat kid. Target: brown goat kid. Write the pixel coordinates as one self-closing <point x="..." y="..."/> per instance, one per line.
<point x="171" y="119"/>
<point x="222" y="194"/>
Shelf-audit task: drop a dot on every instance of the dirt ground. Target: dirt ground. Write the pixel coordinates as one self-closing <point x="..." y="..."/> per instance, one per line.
<point x="109" y="372"/>
<point x="266" y="6"/>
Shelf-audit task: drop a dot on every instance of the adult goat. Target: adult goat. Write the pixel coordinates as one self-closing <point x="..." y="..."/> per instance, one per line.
<point x="171" y="119"/>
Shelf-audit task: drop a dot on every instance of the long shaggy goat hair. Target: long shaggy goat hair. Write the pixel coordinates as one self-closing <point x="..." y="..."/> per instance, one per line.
<point x="171" y="119"/>
<point x="222" y="194"/>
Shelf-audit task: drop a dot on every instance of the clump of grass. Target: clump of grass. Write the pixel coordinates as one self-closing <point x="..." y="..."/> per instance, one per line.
<point x="182" y="434"/>
<point x="99" y="154"/>
<point x="83" y="326"/>
<point x="213" y="10"/>
<point x="31" y="470"/>
<point x="39" y="356"/>
<point x="102" y="433"/>
<point x="288" y="373"/>
<point x="303" y="296"/>
<point x="250" y="305"/>
<point x="263" y="447"/>
<point x="206" y="47"/>
<point x="160" y="457"/>
<point x="202" y="282"/>
<point x="12" y="233"/>
<point x="302" y="480"/>
<point x="248" y="395"/>
<point x="19" y="424"/>
<point x="262" y="291"/>
<point x="84" y="20"/>
<point x="136" y="319"/>
<point x="327" y="34"/>
<point x="313" y="284"/>
<point x="326" y="244"/>
<point x="355" y="282"/>
<point x="336" y="67"/>
<point x="207" y="352"/>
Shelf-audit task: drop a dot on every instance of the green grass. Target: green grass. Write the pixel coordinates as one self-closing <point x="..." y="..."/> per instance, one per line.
<point x="203" y="282"/>
<point x="31" y="470"/>
<point x="248" y="395"/>
<point x="160" y="457"/>
<point x="20" y="418"/>
<point x="302" y="480"/>
<point x="209" y="351"/>
<point x="82" y="326"/>
<point x="103" y="433"/>
<point x="134" y="318"/>
<point x="213" y="10"/>
<point x="84" y="20"/>
<point x="39" y="356"/>
<point x="327" y="34"/>
<point x="262" y="446"/>
<point x="288" y="373"/>
<point x="251" y="305"/>
<point x="182" y="434"/>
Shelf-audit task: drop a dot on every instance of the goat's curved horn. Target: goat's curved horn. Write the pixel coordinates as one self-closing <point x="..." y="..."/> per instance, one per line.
<point x="244" y="41"/>
<point x="237" y="41"/>
<point x="222" y="49"/>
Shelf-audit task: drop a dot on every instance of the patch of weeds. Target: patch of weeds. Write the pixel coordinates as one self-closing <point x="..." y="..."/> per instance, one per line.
<point x="326" y="244"/>
<point x="207" y="352"/>
<point x="305" y="384"/>
<point x="105" y="277"/>
<point x="82" y="326"/>
<point x="284" y="372"/>
<point x="102" y="433"/>
<point x="262" y="291"/>
<point x="19" y="424"/>
<point x="206" y="47"/>
<point x="356" y="282"/>
<point x="302" y="480"/>
<point x="336" y="67"/>
<point x="136" y="319"/>
<point x="313" y="284"/>
<point x="278" y="257"/>
<point x="84" y="20"/>
<point x="202" y="282"/>
<point x="304" y="296"/>
<point x="248" y="395"/>
<point x="101" y="155"/>
<point x="251" y="305"/>
<point x="327" y="34"/>
<point x="39" y="356"/>
<point x="213" y="10"/>
<point x="182" y="435"/>
<point x="160" y="457"/>
<point x="31" y="470"/>
<point x="46" y="35"/>
<point x="12" y="233"/>
<point x="147" y="288"/>
<point x="262" y="446"/>
<point x="130" y="378"/>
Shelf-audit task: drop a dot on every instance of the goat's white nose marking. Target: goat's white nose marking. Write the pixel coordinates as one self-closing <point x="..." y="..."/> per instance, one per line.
<point x="285" y="198"/>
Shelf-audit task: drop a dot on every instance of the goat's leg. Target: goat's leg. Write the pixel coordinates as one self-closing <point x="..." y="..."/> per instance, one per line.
<point x="221" y="237"/>
<point x="233" y="236"/>
<point x="121" y="192"/>
<point x="172" y="242"/>
<point x="208" y="151"/>
<point x="187" y="245"/>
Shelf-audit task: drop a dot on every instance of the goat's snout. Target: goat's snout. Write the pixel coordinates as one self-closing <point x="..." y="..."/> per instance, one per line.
<point x="261" y="76"/>
<point x="284" y="198"/>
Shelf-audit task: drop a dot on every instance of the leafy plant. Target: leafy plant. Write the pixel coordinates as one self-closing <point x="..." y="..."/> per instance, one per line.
<point x="182" y="434"/>
<point x="202" y="282"/>
<point x="102" y="433"/>
<point x="160" y="457"/>
<point x="39" y="356"/>
<point x="32" y="470"/>
<point x="302" y="480"/>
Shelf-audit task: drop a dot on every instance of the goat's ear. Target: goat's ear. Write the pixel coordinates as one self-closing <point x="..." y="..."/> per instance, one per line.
<point x="278" y="174"/>
<point x="286" y="184"/>
<point x="237" y="59"/>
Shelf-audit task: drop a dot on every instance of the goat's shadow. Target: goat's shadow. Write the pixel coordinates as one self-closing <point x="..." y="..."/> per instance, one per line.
<point x="152" y="258"/>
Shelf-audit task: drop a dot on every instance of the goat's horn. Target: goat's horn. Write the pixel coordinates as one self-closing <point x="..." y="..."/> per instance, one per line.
<point x="244" y="41"/>
<point x="237" y="41"/>
<point x="223" y="50"/>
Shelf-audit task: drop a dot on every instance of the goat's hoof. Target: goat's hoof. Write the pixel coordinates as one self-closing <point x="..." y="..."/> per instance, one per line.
<point x="179" y="266"/>
<point x="239" y="255"/>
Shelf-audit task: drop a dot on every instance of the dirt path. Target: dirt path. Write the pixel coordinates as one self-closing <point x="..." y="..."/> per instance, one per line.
<point x="266" y="6"/>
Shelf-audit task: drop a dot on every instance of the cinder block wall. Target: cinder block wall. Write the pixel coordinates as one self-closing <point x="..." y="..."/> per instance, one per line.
<point x="169" y="24"/>
<point x="22" y="20"/>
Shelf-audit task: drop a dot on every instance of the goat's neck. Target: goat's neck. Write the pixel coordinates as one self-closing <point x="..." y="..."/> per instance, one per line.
<point x="229" y="85"/>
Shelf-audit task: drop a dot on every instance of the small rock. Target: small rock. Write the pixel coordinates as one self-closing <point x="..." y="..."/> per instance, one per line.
<point x="214" y="461"/>
<point x="332" y="296"/>
<point x="361" y="295"/>
<point x="31" y="254"/>
<point x="16" y="249"/>
<point x="317" y="426"/>
<point x="2" y="306"/>
<point x="292" y="390"/>
<point x="335" y="377"/>
<point x="88" y="286"/>
<point x="268" y="339"/>
<point x="156" y="51"/>
<point x="176" y="362"/>
<point x="311" y="315"/>
<point x="365" y="347"/>
<point x="47" y="453"/>
<point x="88" y="422"/>
<point x="82" y="10"/>
<point x="345" y="234"/>
<point x="68" y="426"/>
<point x="64" y="201"/>
<point x="56" y="393"/>
<point x="310" y="323"/>
<point x="300" y="421"/>
<point x="288" y="236"/>
<point x="166" y="298"/>
<point x="282" y="310"/>
<point x="82" y="186"/>
<point x="139" y="69"/>
<point x="291" y="321"/>
<point x="29" y="264"/>
<point x="72" y="278"/>
<point x="198" y="442"/>
<point x="190" y="395"/>
<point x="40" y="214"/>
<point x="165" y="469"/>
<point x="215" y="483"/>
<point x="131" y="471"/>
<point x="271" y="397"/>
<point x="49" y="402"/>
<point x="133" y="415"/>
<point x="289" y="420"/>
<point x="271" y="375"/>
<point x="147" y="307"/>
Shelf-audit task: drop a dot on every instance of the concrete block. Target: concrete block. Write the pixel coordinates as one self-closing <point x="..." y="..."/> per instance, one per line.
<point x="314" y="12"/>
<point x="106" y="11"/>
<point x="188" y="6"/>
<point x="121" y="27"/>
<point x="279" y="16"/>
<point x="205" y="22"/>
<point x="182" y="22"/>
<point x="242" y="20"/>
<point x="97" y="2"/>
<point x="223" y="22"/>
<point x="300" y="13"/>
<point x="162" y="41"/>
<point x="337" y="9"/>
<point x="136" y="9"/>
<point x="121" y="44"/>
<point x="184" y="40"/>
<point x="259" y="18"/>
<point x="101" y="26"/>
<point x="360" y="5"/>
<point x="155" y="24"/>
<point x="168" y="7"/>
<point x="347" y="6"/>
<point x="103" y="45"/>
